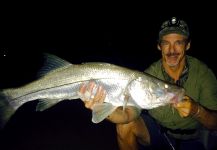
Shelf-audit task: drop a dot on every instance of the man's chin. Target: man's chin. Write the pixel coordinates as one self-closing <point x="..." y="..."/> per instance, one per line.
<point x="172" y="64"/>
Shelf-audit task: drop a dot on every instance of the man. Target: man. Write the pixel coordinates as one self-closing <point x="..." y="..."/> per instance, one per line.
<point x="169" y="127"/>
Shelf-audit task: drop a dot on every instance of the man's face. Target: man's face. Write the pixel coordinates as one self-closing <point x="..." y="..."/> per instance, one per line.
<point x="173" y="47"/>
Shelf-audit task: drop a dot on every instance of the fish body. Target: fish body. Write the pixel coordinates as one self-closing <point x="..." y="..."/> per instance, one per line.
<point x="123" y="86"/>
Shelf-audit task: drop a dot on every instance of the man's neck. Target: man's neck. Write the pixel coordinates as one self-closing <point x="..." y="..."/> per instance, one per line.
<point x="175" y="71"/>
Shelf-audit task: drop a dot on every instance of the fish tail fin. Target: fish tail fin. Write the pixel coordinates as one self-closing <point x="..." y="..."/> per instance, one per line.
<point x="6" y="110"/>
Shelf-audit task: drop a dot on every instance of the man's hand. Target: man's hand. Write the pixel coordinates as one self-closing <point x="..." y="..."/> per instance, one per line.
<point x="187" y="107"/>
<point x="92" y="94"/>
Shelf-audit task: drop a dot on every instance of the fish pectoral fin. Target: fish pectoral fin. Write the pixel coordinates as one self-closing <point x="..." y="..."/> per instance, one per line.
<point x="45" y="104"/>
<point x="101" y="111"/>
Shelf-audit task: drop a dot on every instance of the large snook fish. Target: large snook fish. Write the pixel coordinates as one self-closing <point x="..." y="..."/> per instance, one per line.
<point x="62" y="80"/>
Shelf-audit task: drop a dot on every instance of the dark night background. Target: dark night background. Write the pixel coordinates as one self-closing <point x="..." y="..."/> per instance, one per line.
<point x="125" y="36"/>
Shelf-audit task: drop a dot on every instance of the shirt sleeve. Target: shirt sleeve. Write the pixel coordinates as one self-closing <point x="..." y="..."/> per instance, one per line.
<point x="208" y="90"/>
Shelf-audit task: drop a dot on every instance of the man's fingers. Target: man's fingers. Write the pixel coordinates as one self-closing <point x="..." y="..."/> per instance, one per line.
<point x="88" y="104"/>
<point x="99" y="95"/>
<point x="82" y="88"/>
<point x="183" y="114"/>
<point x="183" y="104"/>
<point x="185" y="110"/>
<point x="90" y="87"/>
<point x="86" y="91"/>
<point x="92" y="94"/>
<point x="183" y="107"/>
<point x="103" y="96"/>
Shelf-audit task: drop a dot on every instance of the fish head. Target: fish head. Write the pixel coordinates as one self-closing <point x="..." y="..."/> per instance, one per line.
<point x="177" y="93"/>
<point x="148" y="94"/>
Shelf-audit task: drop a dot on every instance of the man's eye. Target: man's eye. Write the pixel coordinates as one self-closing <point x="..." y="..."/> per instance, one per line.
<point x="180" y="42"/>
<point x="164" y="43"/>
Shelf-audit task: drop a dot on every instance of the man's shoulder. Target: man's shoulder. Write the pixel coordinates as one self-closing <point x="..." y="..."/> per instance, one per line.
<point x="192" y="59"/>
<point x="154" y="68"/>
<point x="198" y="68"/>
<point x="195" y="63"/>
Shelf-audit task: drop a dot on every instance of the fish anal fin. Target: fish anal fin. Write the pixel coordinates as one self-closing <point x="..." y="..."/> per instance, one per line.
<point x="101" y="111"/>
<point x="45" y="104"/>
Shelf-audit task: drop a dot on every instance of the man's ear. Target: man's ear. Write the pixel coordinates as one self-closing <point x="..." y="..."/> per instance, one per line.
<point x="158" y="47"/>
<point x="188" y="46"/>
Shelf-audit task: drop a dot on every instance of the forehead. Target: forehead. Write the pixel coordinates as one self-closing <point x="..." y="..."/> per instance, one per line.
<point x="173" y="36"/>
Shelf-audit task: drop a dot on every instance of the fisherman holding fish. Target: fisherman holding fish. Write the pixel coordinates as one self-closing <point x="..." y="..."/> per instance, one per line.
<point x="183" y="125"/>
<point x="172" y="105"/>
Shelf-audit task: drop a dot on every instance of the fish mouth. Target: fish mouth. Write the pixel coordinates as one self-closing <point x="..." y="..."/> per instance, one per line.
<point x="178" y="97"/>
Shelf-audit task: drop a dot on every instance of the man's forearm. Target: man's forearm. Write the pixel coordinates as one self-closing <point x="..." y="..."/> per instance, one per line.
<point x="126" y="115"/>
<point x="205" y="116"/>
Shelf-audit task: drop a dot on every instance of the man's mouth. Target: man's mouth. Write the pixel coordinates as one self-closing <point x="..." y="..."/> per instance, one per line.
<point x="173" y="55"/>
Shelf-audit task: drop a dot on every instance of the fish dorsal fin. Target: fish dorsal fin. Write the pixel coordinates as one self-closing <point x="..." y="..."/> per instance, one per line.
<point x="51" y="62"/>
<point x="45" y="104"/>
<point x="101" y="111"/>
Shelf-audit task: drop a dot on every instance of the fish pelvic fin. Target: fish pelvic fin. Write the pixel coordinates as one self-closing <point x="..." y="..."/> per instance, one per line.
<point x="6" y="110"/>
<point x="101" y="111"/>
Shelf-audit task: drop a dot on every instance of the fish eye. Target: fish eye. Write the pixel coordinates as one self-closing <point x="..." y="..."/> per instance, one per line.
<point x="166" y="86"/>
